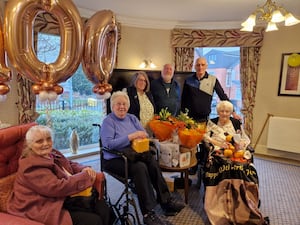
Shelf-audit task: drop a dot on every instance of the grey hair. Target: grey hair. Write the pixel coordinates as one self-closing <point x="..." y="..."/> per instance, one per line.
<point x="30" y="137"/>
<point x="116" y="95"/>
<point x="173" y="67"/>
<point x="135" y="78"/>
<point x="225" y="104"/>
<point x="201" y="58"/>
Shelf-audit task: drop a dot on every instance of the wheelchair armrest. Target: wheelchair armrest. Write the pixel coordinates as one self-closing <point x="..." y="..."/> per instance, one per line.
<point x="153" y="149"/>
<point x="117" y="153"/>
<point x="112" y="151"/>
<point x="250" y="149"/>
<point x="99" y="184"/>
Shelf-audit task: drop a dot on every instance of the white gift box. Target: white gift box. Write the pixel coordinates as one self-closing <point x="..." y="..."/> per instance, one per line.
<point x="169" y="154"/>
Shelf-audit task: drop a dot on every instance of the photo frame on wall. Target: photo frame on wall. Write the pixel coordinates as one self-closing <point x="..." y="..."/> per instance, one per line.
<point x="289" y="82"/>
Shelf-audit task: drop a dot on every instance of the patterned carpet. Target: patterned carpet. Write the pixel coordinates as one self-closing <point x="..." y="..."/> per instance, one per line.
<point x="279" y="193"/>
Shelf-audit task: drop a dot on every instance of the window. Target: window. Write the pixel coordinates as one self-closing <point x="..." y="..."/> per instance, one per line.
<point x="224" y="63"/>
<point x="76" y="108"/>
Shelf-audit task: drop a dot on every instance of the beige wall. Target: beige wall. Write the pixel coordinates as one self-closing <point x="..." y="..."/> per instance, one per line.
<point x="138" y="44"/>
<point x="285" y="40"/>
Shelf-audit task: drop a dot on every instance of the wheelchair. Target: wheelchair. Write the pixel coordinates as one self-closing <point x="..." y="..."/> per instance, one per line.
<point x="126" y="199"/>
<point x="202" y="154"/>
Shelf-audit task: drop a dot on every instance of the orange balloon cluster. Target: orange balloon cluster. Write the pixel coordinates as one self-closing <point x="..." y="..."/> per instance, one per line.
<point x="102" y="88"/>
<point x="37" y="88"/>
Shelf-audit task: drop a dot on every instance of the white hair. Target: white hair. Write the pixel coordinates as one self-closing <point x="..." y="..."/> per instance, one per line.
<point x="31" y="134"/>
<point x="116" y="95"/>
<point x="224" y="104"/>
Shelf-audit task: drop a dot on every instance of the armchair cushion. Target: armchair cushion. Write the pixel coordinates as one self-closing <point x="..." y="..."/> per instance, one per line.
<point x="7" y="219"/>
<point x="6" y="185"/>
<point x="11" y="146"/>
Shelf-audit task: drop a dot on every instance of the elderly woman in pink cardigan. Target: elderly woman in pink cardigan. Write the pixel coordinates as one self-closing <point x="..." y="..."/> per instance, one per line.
<point x="45" y="179"/>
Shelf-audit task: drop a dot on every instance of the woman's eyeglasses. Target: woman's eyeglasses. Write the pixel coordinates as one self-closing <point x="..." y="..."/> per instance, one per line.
<point x="141" y="80"/>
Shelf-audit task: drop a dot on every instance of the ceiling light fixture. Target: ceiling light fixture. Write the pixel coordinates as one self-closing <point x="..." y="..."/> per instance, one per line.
<point x="272" y="14"/>
<point x="147" y="64"/>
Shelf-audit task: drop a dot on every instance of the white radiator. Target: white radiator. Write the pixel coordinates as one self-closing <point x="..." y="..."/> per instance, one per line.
<point x="284" y="134"/>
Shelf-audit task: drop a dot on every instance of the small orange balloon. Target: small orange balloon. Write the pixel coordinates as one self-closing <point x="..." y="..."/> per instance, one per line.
<point x="47" y="86"/>
<point x="96" y="89"/>
<point x="4" y="89"/>
<point x="58" y="89"/>
<point x="108" y="87"/>
<point x="101" y="89"/>
<point x="36" y="88"/>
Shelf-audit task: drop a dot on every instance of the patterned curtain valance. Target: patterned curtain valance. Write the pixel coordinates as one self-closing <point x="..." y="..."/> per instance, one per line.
<point x="216" y="38"/>
<point x="47" y="23"/>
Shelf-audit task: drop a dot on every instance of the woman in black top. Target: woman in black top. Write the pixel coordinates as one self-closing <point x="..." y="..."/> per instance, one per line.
<point x="141" y="99"/>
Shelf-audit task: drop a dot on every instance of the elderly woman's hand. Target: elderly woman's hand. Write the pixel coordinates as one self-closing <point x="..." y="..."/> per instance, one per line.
<point x="137" y="135"/>
<point x="92" y="173"/>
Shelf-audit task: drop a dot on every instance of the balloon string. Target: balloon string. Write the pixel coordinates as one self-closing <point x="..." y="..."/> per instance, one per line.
<point x="48" y="116"/>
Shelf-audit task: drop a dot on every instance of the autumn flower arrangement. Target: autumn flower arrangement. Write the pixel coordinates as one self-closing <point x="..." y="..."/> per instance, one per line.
<point x="165" y="127"/>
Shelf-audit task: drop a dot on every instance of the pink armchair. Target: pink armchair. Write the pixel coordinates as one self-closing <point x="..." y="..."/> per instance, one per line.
<point x="11" y="145"/>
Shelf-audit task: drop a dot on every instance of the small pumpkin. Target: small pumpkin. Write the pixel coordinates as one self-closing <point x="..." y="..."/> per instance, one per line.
<point x="227" y="153"/>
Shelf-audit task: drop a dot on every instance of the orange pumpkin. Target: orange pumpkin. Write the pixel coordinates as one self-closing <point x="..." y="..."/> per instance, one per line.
<point x="238" y="154"/>
<point x="228" y="153"/>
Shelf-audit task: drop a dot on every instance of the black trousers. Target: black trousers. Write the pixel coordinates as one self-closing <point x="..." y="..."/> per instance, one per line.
<point x="101" y="215"/>
<point x="146" y="175"/>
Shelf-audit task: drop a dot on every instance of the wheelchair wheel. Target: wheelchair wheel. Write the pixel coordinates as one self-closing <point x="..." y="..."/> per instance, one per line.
<point x="127" y="221"/>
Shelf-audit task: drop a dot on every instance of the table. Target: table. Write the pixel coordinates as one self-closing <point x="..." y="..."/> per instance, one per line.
<point x="184" y="170"/>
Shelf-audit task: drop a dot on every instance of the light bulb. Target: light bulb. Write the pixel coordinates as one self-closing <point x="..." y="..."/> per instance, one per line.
<point x="250" y="21"/>
<point x="143" y="65"/>
<point x="152" y="65"/>
<point x="277" y="17"/>
<point x="290" y="20"/>
<point x="271" y="27"/>
<point x="247" y="28"/>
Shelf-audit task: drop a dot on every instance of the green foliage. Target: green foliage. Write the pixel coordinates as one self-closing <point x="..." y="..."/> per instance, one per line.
<point x="80" y="83"/>
<point x="63" y="121"/>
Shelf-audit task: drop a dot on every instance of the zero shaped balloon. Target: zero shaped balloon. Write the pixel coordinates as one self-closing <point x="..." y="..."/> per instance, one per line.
<point x="18" y="29"/>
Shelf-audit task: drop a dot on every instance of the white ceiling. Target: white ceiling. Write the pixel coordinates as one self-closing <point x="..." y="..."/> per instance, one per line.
<point x="167" y="14"/>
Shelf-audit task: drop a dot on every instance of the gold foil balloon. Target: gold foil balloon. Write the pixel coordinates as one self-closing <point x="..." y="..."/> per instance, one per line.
<point x="18" y="29"/>
<point x="99" y="54"/>
<point x="5" y="73"/>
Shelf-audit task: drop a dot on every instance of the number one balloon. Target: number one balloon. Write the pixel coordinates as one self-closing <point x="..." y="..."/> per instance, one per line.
<point x="99" y="54"/>
<point x="18" y="29"/>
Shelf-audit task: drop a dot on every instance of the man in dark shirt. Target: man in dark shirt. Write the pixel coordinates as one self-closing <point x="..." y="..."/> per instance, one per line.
<point x="166" y="91"/>
<point x="198" y="92"/>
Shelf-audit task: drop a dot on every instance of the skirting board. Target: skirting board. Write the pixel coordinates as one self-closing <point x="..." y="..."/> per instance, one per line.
<point x="264" y="150"/>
